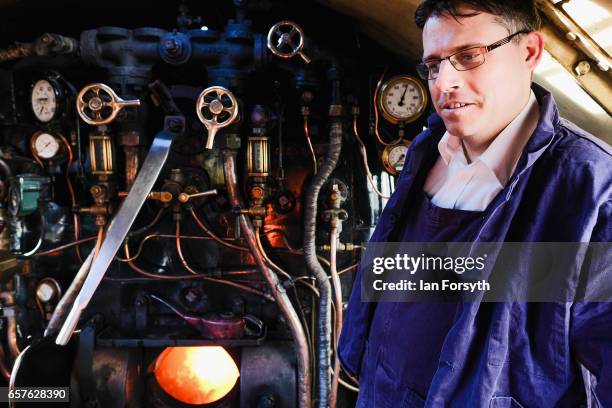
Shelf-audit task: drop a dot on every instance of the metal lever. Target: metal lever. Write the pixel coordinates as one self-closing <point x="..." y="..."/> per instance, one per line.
<point x="123" y="220"/>
<point x="184" y="197"/>
<point x="160" y="94"/>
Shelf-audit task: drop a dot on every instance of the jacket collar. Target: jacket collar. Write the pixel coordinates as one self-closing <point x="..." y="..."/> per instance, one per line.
<point x="425" y="144"/>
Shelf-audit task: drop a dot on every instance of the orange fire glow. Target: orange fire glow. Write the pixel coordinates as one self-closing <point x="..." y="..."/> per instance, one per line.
<point x="196" y="375"/>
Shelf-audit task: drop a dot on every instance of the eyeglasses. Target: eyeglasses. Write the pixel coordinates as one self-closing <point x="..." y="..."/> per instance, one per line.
<point x="463" y="60"/>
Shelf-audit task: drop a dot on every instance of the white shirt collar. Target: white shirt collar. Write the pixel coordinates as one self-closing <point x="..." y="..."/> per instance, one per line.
<point x="502" y="155"/>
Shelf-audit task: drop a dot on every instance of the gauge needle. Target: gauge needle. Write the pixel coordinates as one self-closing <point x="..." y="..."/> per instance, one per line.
<point x="401" y="102"/>
<point x="41" y="109"/>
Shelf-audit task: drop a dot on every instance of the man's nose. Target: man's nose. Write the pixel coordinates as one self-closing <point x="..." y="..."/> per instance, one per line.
<point x="449" y="79"/>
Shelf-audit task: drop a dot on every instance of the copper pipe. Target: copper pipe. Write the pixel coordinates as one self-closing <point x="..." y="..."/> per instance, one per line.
<point x="265" y="256"/>
<point x="278" y="291"/>
<point x="99" y="241"/>
<point x="347" y="385"/>
<point x="149" y="225"/>
<point x="179" y="250"/>
<point x="8" y="300"/>
<point x="292" y="250"/>
<point x="307" y="135"/>
<point x="348" y="268"/>
<point x="213" y="235"/>
<point x="131" y="165"/>
<point x="364" y="155"/>
<point x="338" y="302"/>
<point x="155" y="235"/>
<point x="382" y="142"/>
<point x="141" y="271"/>
<point x="66" y="246"/>
<point x="75" y="219"/>
<point x="75" y="216"/>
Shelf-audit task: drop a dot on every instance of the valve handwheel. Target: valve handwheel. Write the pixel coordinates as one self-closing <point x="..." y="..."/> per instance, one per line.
<point x="217" y="108"/>
<point x="98" y="104"/>
<point x="286" y="39"/>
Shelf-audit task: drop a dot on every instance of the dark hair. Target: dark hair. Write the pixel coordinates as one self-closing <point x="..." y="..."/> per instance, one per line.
<point x="515" y="15"/>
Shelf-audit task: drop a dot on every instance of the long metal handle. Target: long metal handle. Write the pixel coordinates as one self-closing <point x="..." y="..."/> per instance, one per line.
<point x="118" y="229"/>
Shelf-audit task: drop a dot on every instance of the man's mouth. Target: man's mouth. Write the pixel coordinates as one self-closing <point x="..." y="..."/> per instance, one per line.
<point x="455" y="106"/>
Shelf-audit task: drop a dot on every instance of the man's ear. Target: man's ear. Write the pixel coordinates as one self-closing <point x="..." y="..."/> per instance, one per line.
<point x="534" y="45"/>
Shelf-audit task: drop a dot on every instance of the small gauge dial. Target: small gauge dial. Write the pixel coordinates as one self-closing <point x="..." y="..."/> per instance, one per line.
<point x="393" y="158"/>
<point x="402" y="99"/>
<point x="44" y="101"/>
<point x="45" y="145"/>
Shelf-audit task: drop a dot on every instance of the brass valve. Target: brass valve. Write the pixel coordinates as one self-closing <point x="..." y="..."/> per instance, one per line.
<point x="98" y="104"/>
<point x="217" y="108"/>
<point x="282" y="40"/>
<point x="257" y="211"/>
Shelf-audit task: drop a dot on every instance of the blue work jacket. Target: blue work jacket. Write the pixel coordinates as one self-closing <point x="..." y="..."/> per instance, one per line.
<point x="511" y="354"/>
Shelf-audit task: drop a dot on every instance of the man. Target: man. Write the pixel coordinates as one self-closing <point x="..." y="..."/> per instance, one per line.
<point x="496" y="164"/>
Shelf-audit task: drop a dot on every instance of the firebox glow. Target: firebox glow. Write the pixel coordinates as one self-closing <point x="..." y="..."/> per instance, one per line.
<point x="196" y="375"/>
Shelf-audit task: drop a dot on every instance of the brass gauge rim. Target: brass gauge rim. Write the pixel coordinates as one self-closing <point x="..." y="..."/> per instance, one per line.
<point x="385" y="157"/>
<point x="58" y="138"/>
<point x="388" y="85"/>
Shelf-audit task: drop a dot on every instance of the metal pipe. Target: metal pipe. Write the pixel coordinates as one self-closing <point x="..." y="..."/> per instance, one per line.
<point x="48" y="44"/>
<point x="65" y="304"/>
<point x="338" y="301"/>
<point x="66" y="246"/>
<point x="141" y="271"/>
<point x="99" y="241"/>
<point x="8" y="299"/>
<point x="262" y="251"/>
<point x="75" y="216"/>
<point x="312" y="153"/>
<point x="310" y="255"/>
<point x="364" y="155"/>
<point x="179" y="248"/>
<point x="278" y="291"/>
<point x="212" y="234"/>
<point x="575" y="33"/>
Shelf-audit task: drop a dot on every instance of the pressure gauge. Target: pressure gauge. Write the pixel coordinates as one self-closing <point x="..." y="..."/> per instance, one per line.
<point x="45" y="100"/>
<point x="402" y="99"/>
<point x="393" y="158"/>
<point x="45" y="145"/>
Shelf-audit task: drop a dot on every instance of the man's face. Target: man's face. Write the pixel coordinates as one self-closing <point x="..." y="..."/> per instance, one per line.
<point x="494" y="92"/>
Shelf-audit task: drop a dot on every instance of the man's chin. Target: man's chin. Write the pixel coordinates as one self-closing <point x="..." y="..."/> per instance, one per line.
<point x="462" y="130"/>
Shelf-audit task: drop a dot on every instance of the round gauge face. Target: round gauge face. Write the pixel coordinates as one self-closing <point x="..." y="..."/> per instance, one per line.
<point x="44" y="103"/>
<point x="394" y="158"/>
<point x="46" y="146"/>
<point x="403" y="99"/>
